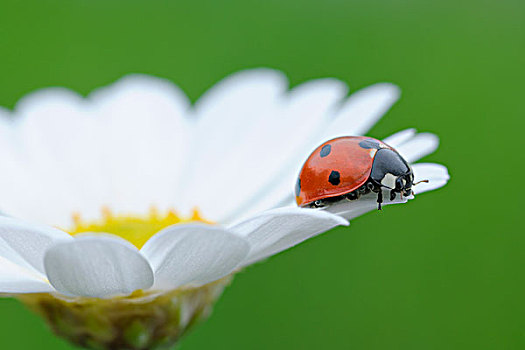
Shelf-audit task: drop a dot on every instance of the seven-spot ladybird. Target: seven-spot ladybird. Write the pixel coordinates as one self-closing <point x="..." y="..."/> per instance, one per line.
<point x="348" y="167"/>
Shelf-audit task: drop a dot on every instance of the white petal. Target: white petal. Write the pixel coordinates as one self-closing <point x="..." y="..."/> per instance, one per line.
<point x="17" y="279"/>
<point x="400" y="137"/>
<point x="22" y="248"/>
<point x="228" y="114"/>
<point x="4" y="115"/>
<point x="275" y="230"/>
<point x="37" y="170"/>
<point x="278" y="194"/>
<point x="362" y="110"/>
<point x="252" y="131"/>
<point x="122" y="147"/>
<point x="436" y="174"/>
<point x="62" y="151"/>
<point x="11" y="195"/>
<point x="193" y="253"/>
<point x="419" y="146"/>
<point x="145" y="132"/>
<point x="269" y="146"/>
<point x="97" y="267"/>
<point x="25" y="244"/>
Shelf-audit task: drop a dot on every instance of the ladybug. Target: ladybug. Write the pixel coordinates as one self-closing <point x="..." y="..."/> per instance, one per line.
<point x="349" y="167"/>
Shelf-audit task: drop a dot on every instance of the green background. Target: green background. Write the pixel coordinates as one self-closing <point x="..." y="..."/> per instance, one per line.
<point x="444" y="271"/>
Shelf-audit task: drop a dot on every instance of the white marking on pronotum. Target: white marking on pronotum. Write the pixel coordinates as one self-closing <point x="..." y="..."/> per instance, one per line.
<point x="389" y="181"/>
<point x="373" y="152"/>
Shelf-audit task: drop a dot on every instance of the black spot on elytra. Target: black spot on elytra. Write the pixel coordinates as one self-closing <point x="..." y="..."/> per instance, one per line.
<point x="334" y="178"/>
<point x="326" y="150"/>
<point x="298" y="187"/>
<point x="368" y="144"/>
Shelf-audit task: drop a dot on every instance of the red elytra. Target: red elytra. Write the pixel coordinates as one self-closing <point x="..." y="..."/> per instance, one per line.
<point x="336" y="167"/>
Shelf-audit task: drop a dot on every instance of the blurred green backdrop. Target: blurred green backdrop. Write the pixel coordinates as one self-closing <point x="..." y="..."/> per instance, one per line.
<point x="443" y="272"/>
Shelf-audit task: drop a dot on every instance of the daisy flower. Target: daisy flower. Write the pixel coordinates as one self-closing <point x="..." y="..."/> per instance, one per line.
<point x="126" y="212"/>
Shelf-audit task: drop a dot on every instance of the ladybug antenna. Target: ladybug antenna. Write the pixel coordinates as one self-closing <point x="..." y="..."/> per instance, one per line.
<point x="425" y="181"/>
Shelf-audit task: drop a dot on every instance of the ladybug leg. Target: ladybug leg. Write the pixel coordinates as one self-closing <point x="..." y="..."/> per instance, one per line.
<point x="379" y="199"/>
<point x="317" y="204"/>
<point x="352" y="196"/>
<point x="392" y="195"/>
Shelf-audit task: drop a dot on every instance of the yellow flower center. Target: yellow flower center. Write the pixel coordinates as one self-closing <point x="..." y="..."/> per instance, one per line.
<point x="134" y="228"/>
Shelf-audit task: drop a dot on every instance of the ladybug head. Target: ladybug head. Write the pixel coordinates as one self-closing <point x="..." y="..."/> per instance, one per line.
<point x="392" y="171"/>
